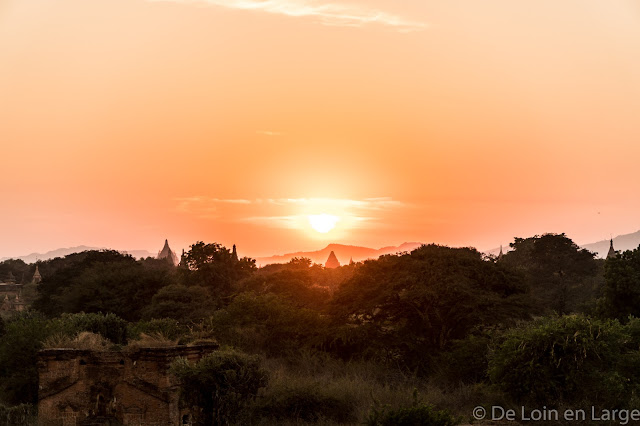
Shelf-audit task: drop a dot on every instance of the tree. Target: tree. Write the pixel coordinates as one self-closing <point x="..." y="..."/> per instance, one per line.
<point x="621" y="293"/>
<point x="17" y="267"/>
<point x="181" y="303"/>
<point x="214" y="266"/>
<point x="560" y="275"/>
<point x="406" y="307"/>
<point x="267" y="324"/>
<point x="296" y="281"/>
<point x="103" y="281"/>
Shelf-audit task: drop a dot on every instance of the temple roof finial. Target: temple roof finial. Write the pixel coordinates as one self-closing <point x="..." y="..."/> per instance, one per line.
<point x="612" y="252"/>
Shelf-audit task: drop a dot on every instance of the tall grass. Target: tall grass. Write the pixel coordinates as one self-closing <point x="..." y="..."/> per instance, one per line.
<point x="315" y="388"/>
<point x="84" y="340"/>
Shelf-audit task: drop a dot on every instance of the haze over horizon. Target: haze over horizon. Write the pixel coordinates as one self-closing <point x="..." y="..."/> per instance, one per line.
<point x="286" y="125"/>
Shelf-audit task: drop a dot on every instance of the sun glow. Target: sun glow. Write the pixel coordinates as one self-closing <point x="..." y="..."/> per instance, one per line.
<point x="323" y="223"/>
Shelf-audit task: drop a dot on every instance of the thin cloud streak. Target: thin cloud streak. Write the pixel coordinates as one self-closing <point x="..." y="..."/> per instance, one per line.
<point x="331" y="14"/>
<point x="268" y="133"/>
<point x="380" y="203"/>
<point x="290" y="213"/>
<point x="287" y="222"/>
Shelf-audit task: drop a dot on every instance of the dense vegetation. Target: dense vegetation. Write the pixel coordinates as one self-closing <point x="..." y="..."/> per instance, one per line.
<point x="390" y="341"/>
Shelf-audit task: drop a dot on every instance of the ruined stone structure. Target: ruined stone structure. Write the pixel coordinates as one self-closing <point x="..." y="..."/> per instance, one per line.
<point x="84" y="387"/>
<point x="10" y="292"/>
<point x="11" y="299"/>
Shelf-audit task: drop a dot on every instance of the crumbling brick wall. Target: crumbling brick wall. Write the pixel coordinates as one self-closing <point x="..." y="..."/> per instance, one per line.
<point x="83" y="387"/>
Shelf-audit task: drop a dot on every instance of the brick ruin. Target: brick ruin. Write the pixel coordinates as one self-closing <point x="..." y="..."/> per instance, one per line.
<point x="84" y="387"/>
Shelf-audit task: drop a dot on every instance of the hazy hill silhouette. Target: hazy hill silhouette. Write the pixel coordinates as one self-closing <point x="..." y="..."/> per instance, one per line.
<point x="600" y="248"/>
<point x="342" y="251"/>
<point x="620" y="243"/>
<point x="61" y="252"/>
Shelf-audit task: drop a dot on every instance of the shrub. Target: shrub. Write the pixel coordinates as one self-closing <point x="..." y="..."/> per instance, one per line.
<point x="419" y="414"/>
<point x="465" y="361"/>
<point x="310" y="403"/>
<point x="219" y="385"/>
<point x="567" y="360"/>
<point x="19" y="415"/>
<point x="110" y="326"/>
<point x="18" y="356"/>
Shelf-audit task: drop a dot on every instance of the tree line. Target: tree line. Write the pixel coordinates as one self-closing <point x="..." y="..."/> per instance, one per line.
<point x="449" y="315"/>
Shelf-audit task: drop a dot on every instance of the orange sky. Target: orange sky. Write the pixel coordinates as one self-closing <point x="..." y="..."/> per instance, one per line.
<point x="461" y="122"/>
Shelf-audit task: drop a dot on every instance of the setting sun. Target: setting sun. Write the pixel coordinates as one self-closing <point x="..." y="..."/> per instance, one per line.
<point x="323" y="222"/>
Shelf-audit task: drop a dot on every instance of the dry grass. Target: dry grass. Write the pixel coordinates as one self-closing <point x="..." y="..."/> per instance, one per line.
<point x="152" y="340"/>
<point x="85" y="340"/>
<point x="366" y="385"/>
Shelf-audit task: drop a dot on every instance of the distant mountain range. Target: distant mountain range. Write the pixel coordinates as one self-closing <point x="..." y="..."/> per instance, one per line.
<point x="620" y="243"/>
<point x="61" y="252"/>
<point x="600" y="248"/>
<point x="343" y="252"/>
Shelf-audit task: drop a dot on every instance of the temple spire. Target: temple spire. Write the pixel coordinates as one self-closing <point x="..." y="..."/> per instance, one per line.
<point x="167" y="253"/>
<point x="612" y="252"/>
<point x="36" y="276"/>
<point x="332" y="261"/>
<point x="234" y="254"/>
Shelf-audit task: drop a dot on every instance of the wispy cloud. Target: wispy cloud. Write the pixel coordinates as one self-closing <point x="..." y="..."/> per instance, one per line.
<point x="268" y="133"/>
<point x="204" y="207"/>
<point x="333" y="14"/>
<point x="288" y="222"/>
<point x="290" y="213"/>
<point x="379" y="203"/>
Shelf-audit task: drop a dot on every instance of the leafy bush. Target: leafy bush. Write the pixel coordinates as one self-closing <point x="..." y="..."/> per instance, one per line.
<point x="220" y="384"/>
<point x="109" y="326"/>
<point x="310" y="403"/>
<point x="18" y="356"/>
<point x="568" y="360"/>
<point x="19" y="415"/>
<point x="465" y="361"/>
<point x="419" y="414"/>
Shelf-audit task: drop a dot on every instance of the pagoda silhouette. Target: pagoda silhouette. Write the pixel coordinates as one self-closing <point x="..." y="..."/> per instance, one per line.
<point x="332" y="261"/>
